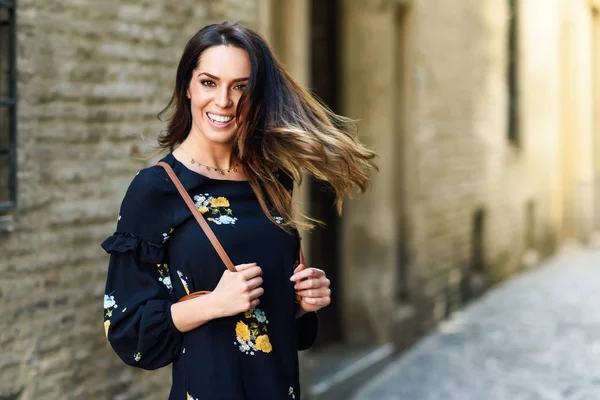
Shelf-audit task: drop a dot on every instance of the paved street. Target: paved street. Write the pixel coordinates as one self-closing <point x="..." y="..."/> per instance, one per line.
<point x="536" y="336"/>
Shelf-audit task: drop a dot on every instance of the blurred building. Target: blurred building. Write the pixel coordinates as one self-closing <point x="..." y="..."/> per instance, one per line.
<point x="486" y="116"/>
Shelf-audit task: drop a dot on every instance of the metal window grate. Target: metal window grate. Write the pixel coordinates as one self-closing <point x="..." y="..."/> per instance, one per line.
<point x="8" y="105"/>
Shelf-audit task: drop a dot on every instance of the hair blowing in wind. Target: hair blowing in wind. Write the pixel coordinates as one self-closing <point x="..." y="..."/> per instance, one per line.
<point x="281" y="126"/>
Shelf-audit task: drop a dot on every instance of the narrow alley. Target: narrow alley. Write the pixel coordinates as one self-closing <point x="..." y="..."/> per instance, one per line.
<point x="535" y="336"/>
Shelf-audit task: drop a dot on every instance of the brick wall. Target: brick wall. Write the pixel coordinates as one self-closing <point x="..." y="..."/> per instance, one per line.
<point x="92" y="77"/>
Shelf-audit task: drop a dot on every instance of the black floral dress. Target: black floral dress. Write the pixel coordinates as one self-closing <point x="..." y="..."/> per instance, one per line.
<point x="159" y="254"/>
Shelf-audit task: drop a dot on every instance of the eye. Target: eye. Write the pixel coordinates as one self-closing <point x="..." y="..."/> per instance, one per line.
<point x="241" y="87"/>
<point x="207" y="83"/>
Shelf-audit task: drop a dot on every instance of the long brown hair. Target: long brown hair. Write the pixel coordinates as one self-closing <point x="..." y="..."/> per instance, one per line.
<point x="281" y="126"/>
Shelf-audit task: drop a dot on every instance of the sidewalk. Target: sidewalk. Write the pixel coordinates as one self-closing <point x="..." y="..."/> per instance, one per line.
<point x="536" y="336"/>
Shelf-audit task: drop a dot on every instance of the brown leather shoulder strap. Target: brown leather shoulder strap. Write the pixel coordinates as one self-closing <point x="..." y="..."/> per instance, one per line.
<point x="203" y="224"/>
<point x="302" y="255"/>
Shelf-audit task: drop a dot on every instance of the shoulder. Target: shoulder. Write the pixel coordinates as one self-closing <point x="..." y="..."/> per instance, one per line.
<point x="144" y="219"/>
<point x="149" y="181"/>
<point x="144" y="209"/>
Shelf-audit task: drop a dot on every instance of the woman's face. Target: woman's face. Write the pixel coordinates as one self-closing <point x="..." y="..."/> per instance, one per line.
<point x="215" y="90"/>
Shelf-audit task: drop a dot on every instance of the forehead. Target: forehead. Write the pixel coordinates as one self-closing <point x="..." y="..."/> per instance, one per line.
<point x="225" y="62"/>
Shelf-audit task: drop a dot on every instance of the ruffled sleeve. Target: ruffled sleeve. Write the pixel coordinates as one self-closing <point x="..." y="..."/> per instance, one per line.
<point x="139" y="294"/>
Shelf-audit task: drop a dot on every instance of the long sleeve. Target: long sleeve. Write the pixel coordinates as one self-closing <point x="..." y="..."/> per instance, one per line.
<point x="307" y="327"/>
<point x="139" y="294"/>
<point x="137" y="312"/>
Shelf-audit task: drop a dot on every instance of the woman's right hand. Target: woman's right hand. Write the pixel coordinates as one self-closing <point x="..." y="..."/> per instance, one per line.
<point x="237" y="292"/>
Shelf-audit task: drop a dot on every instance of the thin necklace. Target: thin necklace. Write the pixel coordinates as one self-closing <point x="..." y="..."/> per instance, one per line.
<point x="221" y="171"/>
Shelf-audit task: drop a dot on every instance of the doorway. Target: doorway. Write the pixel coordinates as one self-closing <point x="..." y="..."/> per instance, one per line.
<point x="324" y="240"/>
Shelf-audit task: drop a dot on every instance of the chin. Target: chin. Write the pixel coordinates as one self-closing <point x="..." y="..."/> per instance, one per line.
<point x="220" y="137"/>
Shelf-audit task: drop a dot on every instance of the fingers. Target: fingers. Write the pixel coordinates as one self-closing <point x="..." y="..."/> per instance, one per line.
<point x="307" y="273"/>
<point x="243" y="267"/>
<point x="317" y="301"/>
<point x="254" y="283"/>
<point x="312" y="284"/>
<point x="299" y="268"/>
<point x="312" y="293"/>
<point x="256" y="293"/>
<point x="251" y="272"/>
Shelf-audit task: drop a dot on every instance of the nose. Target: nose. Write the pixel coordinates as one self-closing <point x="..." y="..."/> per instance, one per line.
<point x="223" y="99"/>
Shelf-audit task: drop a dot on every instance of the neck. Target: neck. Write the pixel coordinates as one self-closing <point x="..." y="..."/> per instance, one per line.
<point x="213" y="155"/>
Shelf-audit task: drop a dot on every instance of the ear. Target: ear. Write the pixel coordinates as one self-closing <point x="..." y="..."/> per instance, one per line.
<point x="187" y="93"/>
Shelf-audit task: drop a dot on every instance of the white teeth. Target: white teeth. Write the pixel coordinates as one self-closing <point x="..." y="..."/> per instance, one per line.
<point x="218" y="118"/>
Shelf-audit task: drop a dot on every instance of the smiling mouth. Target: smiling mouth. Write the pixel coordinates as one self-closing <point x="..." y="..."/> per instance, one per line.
<point x="219" y="119"/>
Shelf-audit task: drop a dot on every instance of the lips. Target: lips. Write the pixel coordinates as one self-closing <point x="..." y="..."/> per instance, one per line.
<point x="219" y="119"/>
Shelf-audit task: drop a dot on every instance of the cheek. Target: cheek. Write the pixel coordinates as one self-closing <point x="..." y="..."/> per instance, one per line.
<point x="199" y="102"/>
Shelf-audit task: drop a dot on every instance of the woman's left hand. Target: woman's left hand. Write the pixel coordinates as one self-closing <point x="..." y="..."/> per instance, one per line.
<point x="313" y="286"/>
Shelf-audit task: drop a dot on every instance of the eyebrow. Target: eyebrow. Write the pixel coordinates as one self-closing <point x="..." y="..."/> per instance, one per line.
<point x="217" y="78"/>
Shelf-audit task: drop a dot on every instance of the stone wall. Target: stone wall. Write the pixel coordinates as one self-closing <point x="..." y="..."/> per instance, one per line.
<point x="457" y="205"/>
<point x="92" y="78"/>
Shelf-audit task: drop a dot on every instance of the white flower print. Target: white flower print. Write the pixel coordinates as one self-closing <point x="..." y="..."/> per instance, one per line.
<point x="279" y="220"/>
<point x="202" y="200"/>
<point x="166" y="235"/>
<point x="246" y="346"/>
<point x="137" y="356"/>
<point x="109" y="301"/>
<point x="223" y="220"/>
<point x="291" y="392"/>
<point x="119" y="218"/>
<point x="167" y="282"/>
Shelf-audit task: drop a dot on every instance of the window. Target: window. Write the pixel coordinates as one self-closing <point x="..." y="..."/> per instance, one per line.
<point x="8" y="104"/>
<point x="513" y="72"/>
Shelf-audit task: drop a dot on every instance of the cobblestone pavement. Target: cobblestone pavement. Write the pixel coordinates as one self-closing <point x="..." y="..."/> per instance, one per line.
<point x="536" y="336"/>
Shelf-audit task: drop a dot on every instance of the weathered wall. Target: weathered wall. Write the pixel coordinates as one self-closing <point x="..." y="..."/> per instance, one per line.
<point x="455" y="155"/>
<point x="577" y="118"/>
<point x="92" y="78"/>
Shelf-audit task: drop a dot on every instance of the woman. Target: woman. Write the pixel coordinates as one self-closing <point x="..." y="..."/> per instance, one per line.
<point x="241" y="132"/>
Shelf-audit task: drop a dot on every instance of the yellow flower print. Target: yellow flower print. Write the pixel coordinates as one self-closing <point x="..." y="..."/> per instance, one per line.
<point x="263" y="344"/>
<point x="219" y="202"/>
<point x="106" y="325"/>
<point x="242" y="331"/>
<point x="203" y="209"/>
<point x="251" y="336"/>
